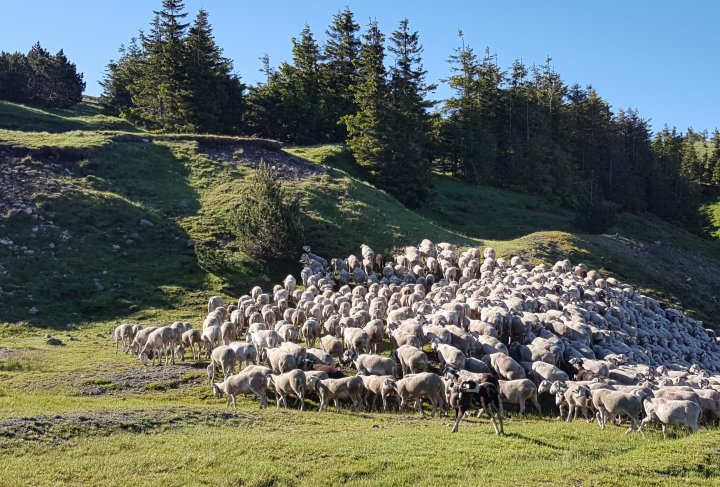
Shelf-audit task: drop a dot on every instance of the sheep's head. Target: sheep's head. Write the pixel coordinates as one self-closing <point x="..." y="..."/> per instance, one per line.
<point x="389" y="386"/>
<point x="144" y="358"/>
<point x="270" y="382"/>
<point x="217" y="391"/>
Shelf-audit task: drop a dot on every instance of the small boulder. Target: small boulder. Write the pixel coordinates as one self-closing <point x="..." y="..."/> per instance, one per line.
<point x="145" y="223"/>
<point x="54" y="341"/>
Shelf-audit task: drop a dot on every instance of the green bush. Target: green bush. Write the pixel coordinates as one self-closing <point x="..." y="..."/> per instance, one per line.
<point x="595" y="215"/>
<point x="268" y="222"/>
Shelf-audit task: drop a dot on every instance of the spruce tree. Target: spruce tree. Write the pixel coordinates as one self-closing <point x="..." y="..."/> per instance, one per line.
<point x="340" y="54"/>
<point x="216" y="93"/>
<point x="160" y="96"/>
<point x="368" y="129"/>
<point x="409" y="119"/>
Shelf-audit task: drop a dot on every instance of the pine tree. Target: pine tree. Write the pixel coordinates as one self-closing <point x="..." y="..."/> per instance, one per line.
<point x="160" y="96"/>
<point x="340" y="54"/>
<point x="216" y="93"/>
<point x="368" y="137"/>
<point x="409" y="119"/>
<point x="40" y="78"/>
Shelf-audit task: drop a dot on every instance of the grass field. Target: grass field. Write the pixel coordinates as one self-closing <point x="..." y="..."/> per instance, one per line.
<point x="173" y="431"/>
<point x="80" y="415"/>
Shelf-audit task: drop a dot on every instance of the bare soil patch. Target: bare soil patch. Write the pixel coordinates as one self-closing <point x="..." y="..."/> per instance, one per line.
<point x="60" y="428"/>
<point x="287" y="167"/>
<point x="140" y="380"/>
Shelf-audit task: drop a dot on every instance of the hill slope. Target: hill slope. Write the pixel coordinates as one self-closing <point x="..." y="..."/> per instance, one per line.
<point x="106" y="224"/>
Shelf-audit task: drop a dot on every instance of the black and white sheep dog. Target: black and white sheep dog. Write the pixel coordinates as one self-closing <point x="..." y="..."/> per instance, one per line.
<point x="482" y="394"/>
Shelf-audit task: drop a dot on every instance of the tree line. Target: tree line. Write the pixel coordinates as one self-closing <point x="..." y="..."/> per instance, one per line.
<point x="520" y="127"/>
<point x="39" y="78"/>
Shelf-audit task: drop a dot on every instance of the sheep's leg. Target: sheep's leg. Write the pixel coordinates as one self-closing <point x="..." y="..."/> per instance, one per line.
<point x="537" y="406"/>
<point x="521" y="404"/>
<point x="172" y="353"/>
<point x="418" y="403"/>
<point x="663" y="430"/>
<point x="571" y="409"/>
<point x="491" y="415"/>
<point x="234" y="401"/>
<point x="301" y="396"/>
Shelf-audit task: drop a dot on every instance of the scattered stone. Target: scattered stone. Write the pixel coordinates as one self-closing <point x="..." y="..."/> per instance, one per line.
<point x="135" y="236"/>
<point x="33" y="310"/>
<point x="100" y="335"/>
<point x="54" y="341"/>
<point x="129" y="241"/>
<point x="191" y="242"/>
<point x="115" y="247"/>
<point x="146" y="223"/>
<point x="184" y="203"/>
<point x="51" y="245"/>
<point x="99" y="286"/>
<point x="70" y="327"/>
<point x="28" y="210"/>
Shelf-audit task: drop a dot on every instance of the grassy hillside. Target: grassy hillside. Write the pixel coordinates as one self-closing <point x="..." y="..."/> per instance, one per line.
<point x="75" y="249"/>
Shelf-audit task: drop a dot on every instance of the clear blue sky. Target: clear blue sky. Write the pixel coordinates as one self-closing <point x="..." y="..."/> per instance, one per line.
<point x="660" y="57"/>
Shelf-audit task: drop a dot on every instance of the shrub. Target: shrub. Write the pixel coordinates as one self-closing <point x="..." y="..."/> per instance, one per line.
<point x="594" y="214"/>
<point x="268" y="222"/>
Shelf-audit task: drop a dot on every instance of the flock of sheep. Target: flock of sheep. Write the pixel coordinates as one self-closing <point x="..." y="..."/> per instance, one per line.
<point x="466" y="330"/>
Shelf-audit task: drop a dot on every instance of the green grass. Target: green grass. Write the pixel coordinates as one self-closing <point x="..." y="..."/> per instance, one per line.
<point x="84" y="116"/>
<point x="713" y="213"/>
<point x="293" y="448"/>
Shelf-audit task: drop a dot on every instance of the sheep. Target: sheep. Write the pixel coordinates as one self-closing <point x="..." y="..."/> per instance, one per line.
<point x="374" y="388"/>
<point x="517" y="392"/>
<point x="228" y="330"/>
<point x="449" y="355"/>
<point x="412" y="360"/>
<point x="332" y="345"/>
<point x="223" y="358"/>
<point x="367" y="364"/>
<point x="242" y="383"/>
<point x="578" y="398"/>
<point x="140" y="339"/>
<point x="264" y="339"/>
<point x="287" y="331"/>
<point x="505" y="366"/>
<point x="608" y="402"/>
<point x="280" y="361"/>
<point x="400" y="337"/>
<point x="419" y="387"/>
<point x="356" y="340"/>
<point x="215" y="302"/>
<point x="374" y="329"/>
<point x="318" y="356"/>
<point x="347" y="388"/>
<point x="288" y="383"/>
<point x="311" y="331"/>
<point x="244" y="353"/>
<point x="667" y="411"/>
<point x="211" y="337"/>
<point x="190" y="338"/>
<point x="124" y="334"/>
<point x="161" y="339"/>
<point x="289" y="283"/>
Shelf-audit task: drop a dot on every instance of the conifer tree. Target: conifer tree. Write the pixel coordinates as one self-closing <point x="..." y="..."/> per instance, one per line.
<point x="409" y="119"/>
<point x="368" y="128"/>
<point x="340" y="54"/>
